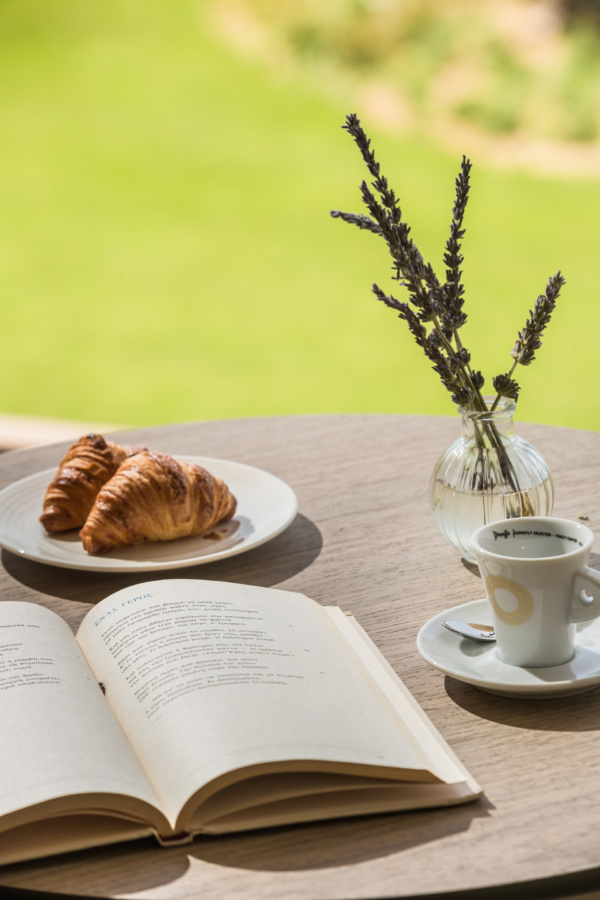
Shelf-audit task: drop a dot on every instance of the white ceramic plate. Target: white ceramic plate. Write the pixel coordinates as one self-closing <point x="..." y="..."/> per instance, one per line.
<point x="265" y="507"/>
<point x="478" y="664"/>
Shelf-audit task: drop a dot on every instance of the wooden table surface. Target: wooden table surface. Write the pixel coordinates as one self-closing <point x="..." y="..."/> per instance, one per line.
<point x="364" y="540"/>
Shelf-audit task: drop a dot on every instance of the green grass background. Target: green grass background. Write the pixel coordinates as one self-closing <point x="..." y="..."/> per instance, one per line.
<point x="166" y="250"/>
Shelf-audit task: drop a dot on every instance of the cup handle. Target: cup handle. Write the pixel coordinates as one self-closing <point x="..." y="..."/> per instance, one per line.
<point x="586" y="595"/>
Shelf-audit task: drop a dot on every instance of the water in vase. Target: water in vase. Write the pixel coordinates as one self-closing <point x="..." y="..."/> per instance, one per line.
<point x="458" y="514"/>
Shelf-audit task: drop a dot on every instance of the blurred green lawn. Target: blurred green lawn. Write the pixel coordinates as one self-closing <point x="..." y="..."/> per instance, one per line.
<point x="166" y="250"/>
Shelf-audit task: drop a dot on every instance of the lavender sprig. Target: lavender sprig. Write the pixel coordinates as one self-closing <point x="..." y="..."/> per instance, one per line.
<point x="505" y="386"/>
<point x="453" y="289"/>
<point x="358" y="219"/>
<point x="528" y="340"/>
<point x="440" y="305"/>
<point x="385" y="216"/>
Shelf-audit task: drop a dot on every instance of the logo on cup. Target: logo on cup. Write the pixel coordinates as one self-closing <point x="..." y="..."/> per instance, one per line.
<point x="524" y="609"/>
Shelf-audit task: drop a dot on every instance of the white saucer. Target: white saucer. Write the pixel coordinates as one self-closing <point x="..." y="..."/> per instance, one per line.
<point x="478" y="663"/>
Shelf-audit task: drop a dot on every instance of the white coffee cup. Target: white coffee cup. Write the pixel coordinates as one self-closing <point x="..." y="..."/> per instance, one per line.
<point x="539" y="586"/>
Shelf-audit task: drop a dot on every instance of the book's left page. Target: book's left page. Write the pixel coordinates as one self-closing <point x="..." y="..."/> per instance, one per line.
<point x="62" y="751"/>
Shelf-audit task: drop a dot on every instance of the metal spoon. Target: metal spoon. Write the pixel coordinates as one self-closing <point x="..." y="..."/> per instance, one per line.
<point x="472" y="630"/>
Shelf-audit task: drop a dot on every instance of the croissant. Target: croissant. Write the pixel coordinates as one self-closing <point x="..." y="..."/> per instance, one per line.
<point x="153" y="497"/>
<point x="87" y="465"/>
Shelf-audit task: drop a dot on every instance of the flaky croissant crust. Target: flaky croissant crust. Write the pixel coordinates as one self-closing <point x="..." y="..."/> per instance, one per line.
<point x="153" y="497"/>
<point x="87" y="465"/>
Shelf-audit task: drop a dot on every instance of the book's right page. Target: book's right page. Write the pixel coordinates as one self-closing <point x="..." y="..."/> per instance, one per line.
<point x="432" y="745"/>
<point x="308" y="796"/>
<point x="215" y="681"/>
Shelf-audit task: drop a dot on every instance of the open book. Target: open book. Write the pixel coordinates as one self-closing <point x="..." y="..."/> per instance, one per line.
<point x="185" y="707"/>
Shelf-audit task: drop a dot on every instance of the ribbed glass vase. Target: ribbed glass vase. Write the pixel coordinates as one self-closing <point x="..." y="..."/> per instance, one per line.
<point x="487" y="474"/>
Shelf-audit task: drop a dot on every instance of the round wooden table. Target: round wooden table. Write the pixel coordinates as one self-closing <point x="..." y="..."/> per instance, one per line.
<point x="364" y="540"/>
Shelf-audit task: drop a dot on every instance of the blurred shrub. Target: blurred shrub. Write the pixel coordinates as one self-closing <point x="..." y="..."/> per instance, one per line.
<point x="507" y="66"/>
<point x="578" y="10"/>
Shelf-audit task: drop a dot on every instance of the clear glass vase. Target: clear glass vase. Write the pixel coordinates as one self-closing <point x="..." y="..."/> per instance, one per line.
<point x="487" y="474"/>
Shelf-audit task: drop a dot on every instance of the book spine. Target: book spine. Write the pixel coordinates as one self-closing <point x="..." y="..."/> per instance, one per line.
<point x="174" y="840"/>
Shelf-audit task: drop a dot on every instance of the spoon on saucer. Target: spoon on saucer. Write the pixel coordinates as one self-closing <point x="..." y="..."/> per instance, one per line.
<point x="472" y="630"/>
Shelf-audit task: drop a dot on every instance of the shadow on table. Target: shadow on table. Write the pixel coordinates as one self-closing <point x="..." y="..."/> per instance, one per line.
<point x="328" y="845"/>
<point x="575" y="713"/>
<point x="139" y="867"/>
<point x="270" y="564"/>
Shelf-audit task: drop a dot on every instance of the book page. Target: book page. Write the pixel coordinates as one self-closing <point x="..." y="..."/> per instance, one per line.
<point x="432" y="746"/>
<point x="208" y="677"/>
<point x="61" y="747"/>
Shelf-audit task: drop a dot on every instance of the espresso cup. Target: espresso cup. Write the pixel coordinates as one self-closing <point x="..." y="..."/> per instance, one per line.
<point x="539" y="586"/>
